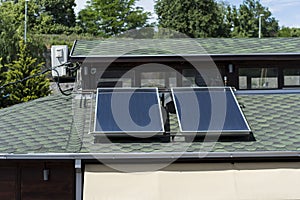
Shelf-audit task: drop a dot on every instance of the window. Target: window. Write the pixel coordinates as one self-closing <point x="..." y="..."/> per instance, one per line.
<point x="161" y="79"/>
<point x="291" y="77"/>
<point x="258" y="78"/>
<point x="116" y="79"/>
<point x="194" y="78"/>
<point x="153" y="79"/>
<point x="188" y="78"/>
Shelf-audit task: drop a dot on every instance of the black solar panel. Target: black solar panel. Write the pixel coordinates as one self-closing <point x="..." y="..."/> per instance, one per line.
<point x="120" y="110"/>
<point x="204" y="110"/>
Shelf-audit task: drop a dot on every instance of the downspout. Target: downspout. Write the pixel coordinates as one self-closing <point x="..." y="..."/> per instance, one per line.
<point x="78" y="177"/>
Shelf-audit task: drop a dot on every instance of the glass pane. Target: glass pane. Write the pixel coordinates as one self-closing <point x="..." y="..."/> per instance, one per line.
<point x="243" y="82"/>
<point x="265" y="82"/>
<point x="116" y="79"/>
<point x="115" y="82"/>
<point x="194" y="78"/>
<point x="173" y="81"/>
<point x="258" y="78"/>
<point x="153" y="79"/>
<point x="128" y="110"/>
<point x="291" y="77"/>
<point x="194" y="108"/>
<point x="188" y="78"/>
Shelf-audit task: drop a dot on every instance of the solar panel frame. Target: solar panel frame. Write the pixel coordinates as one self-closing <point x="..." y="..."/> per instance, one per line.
<point x="123" y="132"/>
<point x="227" y="132"/>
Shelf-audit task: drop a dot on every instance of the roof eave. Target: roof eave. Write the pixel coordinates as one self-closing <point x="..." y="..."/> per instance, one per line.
<point x="225" y="156"/>
<point x="190" y="57"/>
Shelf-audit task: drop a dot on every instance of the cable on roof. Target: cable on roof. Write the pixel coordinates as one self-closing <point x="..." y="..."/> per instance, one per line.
<point x="69" y="66"/>
<point x="59" y="87"/>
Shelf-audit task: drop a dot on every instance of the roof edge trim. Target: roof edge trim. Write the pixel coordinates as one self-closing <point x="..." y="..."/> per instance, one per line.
<point x="267" y="92"/>
<point x="184" y="55"/>
<point x="142" y="156"/>
<point x="73" y="48"/>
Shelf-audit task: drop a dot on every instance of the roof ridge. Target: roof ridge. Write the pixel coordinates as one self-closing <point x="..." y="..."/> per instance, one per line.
<point x="208" y="38"/>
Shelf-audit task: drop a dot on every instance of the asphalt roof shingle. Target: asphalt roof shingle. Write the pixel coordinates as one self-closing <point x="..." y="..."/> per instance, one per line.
<point x="185" y="46"/>
<point x="39" y="126"/>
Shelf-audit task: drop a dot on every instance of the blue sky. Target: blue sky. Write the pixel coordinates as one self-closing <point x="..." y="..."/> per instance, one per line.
<point x="286" y="11"/>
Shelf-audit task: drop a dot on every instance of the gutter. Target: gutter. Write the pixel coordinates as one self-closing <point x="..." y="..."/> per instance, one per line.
<point x="153" y="156"/>
<point x="183" y="55"/>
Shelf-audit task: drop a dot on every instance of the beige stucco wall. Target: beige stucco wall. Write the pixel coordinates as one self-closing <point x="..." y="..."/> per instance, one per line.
<point x="196" y="181"/>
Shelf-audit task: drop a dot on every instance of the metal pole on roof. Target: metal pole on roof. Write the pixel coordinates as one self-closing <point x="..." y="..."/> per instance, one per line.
<point x="25" y="22"/>
<point x="259" y="25"/>
<point x="78" y="186"/>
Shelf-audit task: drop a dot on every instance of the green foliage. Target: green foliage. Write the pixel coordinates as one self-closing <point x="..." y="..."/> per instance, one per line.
<point x="55" y="17"/>
<point x="2" y="82"/>
<point x="245" y="20"/>
<point x="207" y="18"/>
<point x="40" y="20"/>
<point x="9" y="31"/>
<point x="195" y="18"/>
<point x="61" y="11"/>
<point x="289" y="32"/>
<point x="62" y="39"/>
<point x="12" y="30"/>
<point x="112" y="17"/>
<point x="2" y="77"/>
<point x="27" y="90"/>
<point x="44" y="17"/>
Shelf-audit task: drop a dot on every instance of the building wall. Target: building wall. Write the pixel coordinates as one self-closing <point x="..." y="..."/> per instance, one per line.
<point x="241" y="73"/>
<point x="24" y="180"/>
<point x="196" y="181"/>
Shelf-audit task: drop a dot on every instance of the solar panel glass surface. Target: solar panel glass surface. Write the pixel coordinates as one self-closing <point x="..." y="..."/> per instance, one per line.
<point x="121" y="110"/>
<point x="209" y="110"/>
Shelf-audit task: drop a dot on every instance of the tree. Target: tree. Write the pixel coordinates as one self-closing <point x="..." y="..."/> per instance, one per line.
<point x="9" y="31"/>
<point x="12" y="29"/>
<point x="2" y="81"/>
<point x="54" y="17"/>
<point x="61" y="11"/>
<point x="112" y="17"/>
<point x="227" y="16"/>
<point x="195" y="18"/>
<point x="25" y="66"/>
<point x="245" y="20"/>
<point x="44" y="17"/>
<point x="289" y="32"/>
<point x="39" y="22"/>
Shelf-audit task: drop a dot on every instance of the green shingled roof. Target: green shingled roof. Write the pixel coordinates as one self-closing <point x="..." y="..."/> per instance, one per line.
<point x="211" y="46"/>
<point x="58" y="124"/>
<point x="39" y="126"/>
